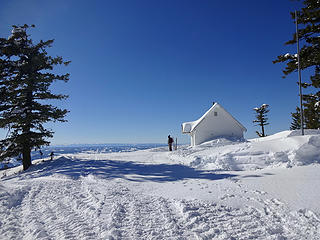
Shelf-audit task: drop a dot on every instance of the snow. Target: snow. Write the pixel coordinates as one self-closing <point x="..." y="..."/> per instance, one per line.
<point x="9" y="164"/>
<point x="262" y="106"/>
<point x="187" y="127"/>
<point x="288" y="55"/>
<point x="14" y="31"/>
<point x="264" y="188"/>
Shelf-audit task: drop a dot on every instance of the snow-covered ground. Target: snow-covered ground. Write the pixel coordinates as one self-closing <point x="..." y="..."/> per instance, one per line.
<point x="266" y="188"/>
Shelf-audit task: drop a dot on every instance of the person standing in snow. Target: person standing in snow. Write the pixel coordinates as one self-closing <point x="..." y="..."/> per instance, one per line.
<point x="170" y="141"/>
<point x="51" y="155"/>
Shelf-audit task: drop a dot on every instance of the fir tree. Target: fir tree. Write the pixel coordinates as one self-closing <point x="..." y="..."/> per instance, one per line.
<point x="261" y="118"/>
<point x="25" y="79"/>
<point x="309" y="30"/>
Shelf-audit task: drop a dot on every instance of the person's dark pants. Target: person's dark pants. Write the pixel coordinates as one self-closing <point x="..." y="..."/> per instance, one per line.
<point x="170" y="146"/>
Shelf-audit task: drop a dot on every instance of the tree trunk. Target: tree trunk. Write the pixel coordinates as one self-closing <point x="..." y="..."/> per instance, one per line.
<point x="26" y="152"/>
<point x="262" y="126"/>
<point x="26" y="157"/>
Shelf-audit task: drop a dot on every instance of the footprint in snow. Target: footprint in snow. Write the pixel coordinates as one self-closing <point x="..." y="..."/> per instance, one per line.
<point x="260" y="192"/>
<point x="227" y="196"/>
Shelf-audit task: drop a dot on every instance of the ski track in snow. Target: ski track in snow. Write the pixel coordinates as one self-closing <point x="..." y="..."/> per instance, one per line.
<point x="154" y="194"/>
<point x="92" y="208"/>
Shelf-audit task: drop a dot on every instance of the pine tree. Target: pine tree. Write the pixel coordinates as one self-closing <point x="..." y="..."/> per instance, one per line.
<point x="296" y="120"/>
<point x="261" y="118"/>
<point x="312" y="111"/>
<point x="311" y="114"/>
<point x="26" y="74"/>
<point x="309" y="19"/>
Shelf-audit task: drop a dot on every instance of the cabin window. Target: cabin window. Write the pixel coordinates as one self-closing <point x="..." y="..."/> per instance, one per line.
<point x="215" y="114"/>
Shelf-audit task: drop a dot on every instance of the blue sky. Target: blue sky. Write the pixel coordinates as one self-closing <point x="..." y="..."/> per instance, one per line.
<point x="142" y="67"/>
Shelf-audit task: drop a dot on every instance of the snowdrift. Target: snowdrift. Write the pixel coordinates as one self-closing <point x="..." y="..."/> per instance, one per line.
<point x="285" y="149"/>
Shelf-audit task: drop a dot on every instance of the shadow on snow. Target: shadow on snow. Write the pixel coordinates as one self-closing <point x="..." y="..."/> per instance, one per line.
<point x="108" y="169"/>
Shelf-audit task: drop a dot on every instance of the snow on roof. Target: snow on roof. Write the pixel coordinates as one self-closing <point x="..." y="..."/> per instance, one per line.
<point x="188" y="127"/>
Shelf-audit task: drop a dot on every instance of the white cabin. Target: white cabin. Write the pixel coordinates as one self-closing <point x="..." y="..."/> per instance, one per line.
<point x="216" y="122"/>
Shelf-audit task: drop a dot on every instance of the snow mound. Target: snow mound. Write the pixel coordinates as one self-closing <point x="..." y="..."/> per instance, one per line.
<point x="285" y="149"/>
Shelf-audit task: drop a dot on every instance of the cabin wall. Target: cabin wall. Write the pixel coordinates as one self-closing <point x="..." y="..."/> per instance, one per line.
<point x="192" y="138"/>
<point x="213" y="126"/>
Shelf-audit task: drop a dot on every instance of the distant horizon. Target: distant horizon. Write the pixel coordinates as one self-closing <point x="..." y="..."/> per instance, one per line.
<point x="184" y="143"/>
<point x="103" y="144"/>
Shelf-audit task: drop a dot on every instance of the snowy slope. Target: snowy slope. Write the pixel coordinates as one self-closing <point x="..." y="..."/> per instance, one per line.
<point x="192" y="193"/>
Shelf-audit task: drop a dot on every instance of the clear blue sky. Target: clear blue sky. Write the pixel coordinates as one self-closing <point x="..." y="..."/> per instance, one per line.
<point x="142" y="67"/>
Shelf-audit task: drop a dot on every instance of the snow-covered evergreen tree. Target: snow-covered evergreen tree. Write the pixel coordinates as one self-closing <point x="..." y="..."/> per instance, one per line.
<point x="25" y="78"/>
<point x="261" y="118"/>
<point x="309" y="31"/>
